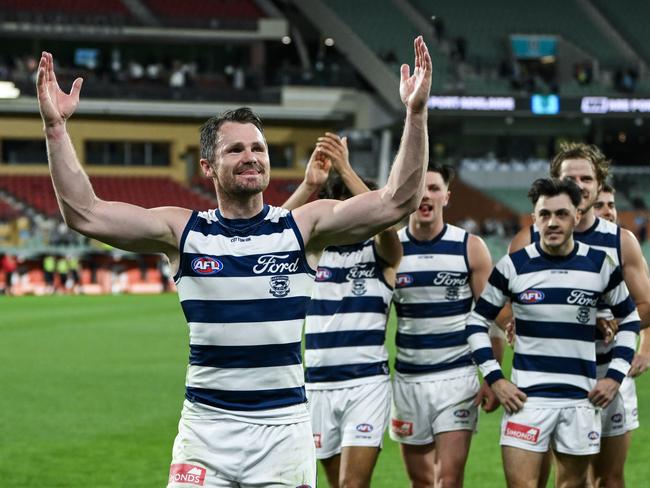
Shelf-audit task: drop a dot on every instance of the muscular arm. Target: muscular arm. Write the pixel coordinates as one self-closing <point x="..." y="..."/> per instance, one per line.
<point x="119" y="224"/>
<point x="635" y="273"/>
<point x="362" y="216"/>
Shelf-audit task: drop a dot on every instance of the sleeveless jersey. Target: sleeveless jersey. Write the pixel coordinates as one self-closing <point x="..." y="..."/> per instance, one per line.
<point x="606" y="236"/>
<point x="346" y="319"/>
<point x="244" y="287"/>
<point x="554" y="301"/>
<point x="432" y="299"/>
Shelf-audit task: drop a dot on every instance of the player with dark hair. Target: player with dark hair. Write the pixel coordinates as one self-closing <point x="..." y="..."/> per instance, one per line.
<point x="555" y="285"/>
<point x="346" y="359"/>
<point x="605" y="206"/>
<point x="244" y="275"/>
<point x="587" y="166"/>
<point x="436" y="388"/>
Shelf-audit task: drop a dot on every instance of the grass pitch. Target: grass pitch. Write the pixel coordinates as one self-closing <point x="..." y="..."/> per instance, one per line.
<point x="92" y="388"/>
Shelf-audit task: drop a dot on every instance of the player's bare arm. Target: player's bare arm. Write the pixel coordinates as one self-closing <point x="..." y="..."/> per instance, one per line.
<point x="635" y="273"/>
<point x="326" y="222"/>
<point x="480" y="267"/>
<point x="122" y="225"/>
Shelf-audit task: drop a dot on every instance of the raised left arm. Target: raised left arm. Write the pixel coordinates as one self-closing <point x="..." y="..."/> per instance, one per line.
<point x="328" y="222"/>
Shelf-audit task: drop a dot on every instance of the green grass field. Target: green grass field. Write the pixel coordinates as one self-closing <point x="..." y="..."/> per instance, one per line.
<point x="92" y="387"/>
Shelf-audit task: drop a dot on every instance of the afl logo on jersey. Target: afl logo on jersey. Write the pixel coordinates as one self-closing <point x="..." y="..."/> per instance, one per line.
<point x="404" y="280"/>
<point x="365" y="428"/>
<point x="323" y="274"/>
<point x="531" y="296"/>
<point x="206" y="266"/>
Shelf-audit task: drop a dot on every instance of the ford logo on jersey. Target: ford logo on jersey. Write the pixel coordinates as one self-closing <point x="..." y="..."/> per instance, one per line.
<point x="323" y="274"/>
<point x="364" y="428"/>
<point x="531" y="296"/>
<point x="404" y="280"/>
<point x="205" y="265"/>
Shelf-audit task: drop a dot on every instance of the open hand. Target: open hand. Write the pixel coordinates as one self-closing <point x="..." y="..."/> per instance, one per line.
<point x="317" y="170"/>
<point x="414" y="89"/>
<point x="55" y="105"/>
<point x="511" y="397"/>
<point x="336" y="149"/>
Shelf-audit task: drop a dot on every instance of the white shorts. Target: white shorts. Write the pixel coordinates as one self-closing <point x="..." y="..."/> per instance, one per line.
<point x="423" y="410"/>
<point x="227" y="453"/>
<point x="621" y="415"/>
<point x="568" y="426"/>
<point x="355" y="416"/>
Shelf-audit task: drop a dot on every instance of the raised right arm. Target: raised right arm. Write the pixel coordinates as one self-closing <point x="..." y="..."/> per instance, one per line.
<point x="120" y="224"/>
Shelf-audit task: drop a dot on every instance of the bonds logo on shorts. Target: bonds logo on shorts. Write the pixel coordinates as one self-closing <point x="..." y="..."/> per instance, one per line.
<point x="279" y="286"/>
<point x="206" y="266"/>
<point x="522" y="432"/>
<point x="617" y="417"/>
<point x="403" y="280"/>
<point x="365" y="428"/>
<point x="187" y="473"/>
<point x="531" y="296"/>
<point x="593" y="435"/>
<point x="462" y="413"/>
<point x="317" y="441"/>
<point x="401" y="428"/>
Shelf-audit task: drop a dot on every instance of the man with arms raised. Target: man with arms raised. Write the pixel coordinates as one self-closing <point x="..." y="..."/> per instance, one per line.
<point x="244" y="280"/>
<point x="554" y="285"/>
<point x="588" y="168"/>
<point x="347" y="377"/>
<point x="436" y="387"/>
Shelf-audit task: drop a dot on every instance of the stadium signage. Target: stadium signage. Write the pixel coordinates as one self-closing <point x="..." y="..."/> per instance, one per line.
<point x="604" y="105"/>
<point x="498" y="104"/>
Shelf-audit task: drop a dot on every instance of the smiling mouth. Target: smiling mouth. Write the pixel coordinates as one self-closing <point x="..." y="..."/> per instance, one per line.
<point x="425" y="207"/>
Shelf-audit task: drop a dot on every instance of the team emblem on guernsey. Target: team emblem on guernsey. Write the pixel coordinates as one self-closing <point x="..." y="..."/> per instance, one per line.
<point x="359" y="287"/>
<point x="584" y="314"/>
<point x="403" y="280"/>
<point x="206" y="266"/>
<point x="452" y="293"/>
<point x="279" y="286"/>
<point x="323" y="274"/>
<point x="531" y="296"/>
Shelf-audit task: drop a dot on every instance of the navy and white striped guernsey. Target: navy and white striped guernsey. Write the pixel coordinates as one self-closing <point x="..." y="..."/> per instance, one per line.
<point x="346" y="319"/>
<point x="244" y="286"/>
<point x="554" y="301"/>
<point x="432" y="299"/>
<point x="606" y="236"/>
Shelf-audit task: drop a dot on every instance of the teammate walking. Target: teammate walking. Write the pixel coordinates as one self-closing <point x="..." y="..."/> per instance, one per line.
<point x="347" y="362"/>
<point x="554" y="285"/>
<point x="436" y="387"/>
<point x="243" y="277"/>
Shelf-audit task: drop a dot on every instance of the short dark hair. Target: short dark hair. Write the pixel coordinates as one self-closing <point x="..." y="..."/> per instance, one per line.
<point x="579" y="150"/>
<point x="335" y="189"/>
<point x="210" y="129"/>
<point x="607" y="188"/>
<point x="550" y="187"/>
<point x="447" y="172"/>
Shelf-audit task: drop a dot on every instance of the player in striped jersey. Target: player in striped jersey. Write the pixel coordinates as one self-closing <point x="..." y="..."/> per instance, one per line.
<point x="243" y="275"/>
<point x="436" y="388"/>
<point x="347" y="362"/>
<point x="588" y="168"/>
<point x="554" y="286"/>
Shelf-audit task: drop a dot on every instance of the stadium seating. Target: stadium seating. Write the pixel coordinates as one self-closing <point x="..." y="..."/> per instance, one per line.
<point x="37" y="192"/>
<point x="7" y="211"/>
<point x="240" y="14"/>
<point x="387" y="34"/>
<point x="486" y="26"/>
<point x="630" y="18"/>
<point x="100" y="11"/>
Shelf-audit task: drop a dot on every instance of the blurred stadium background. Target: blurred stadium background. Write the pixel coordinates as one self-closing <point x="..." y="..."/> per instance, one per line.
<point x="512" y="80"/>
